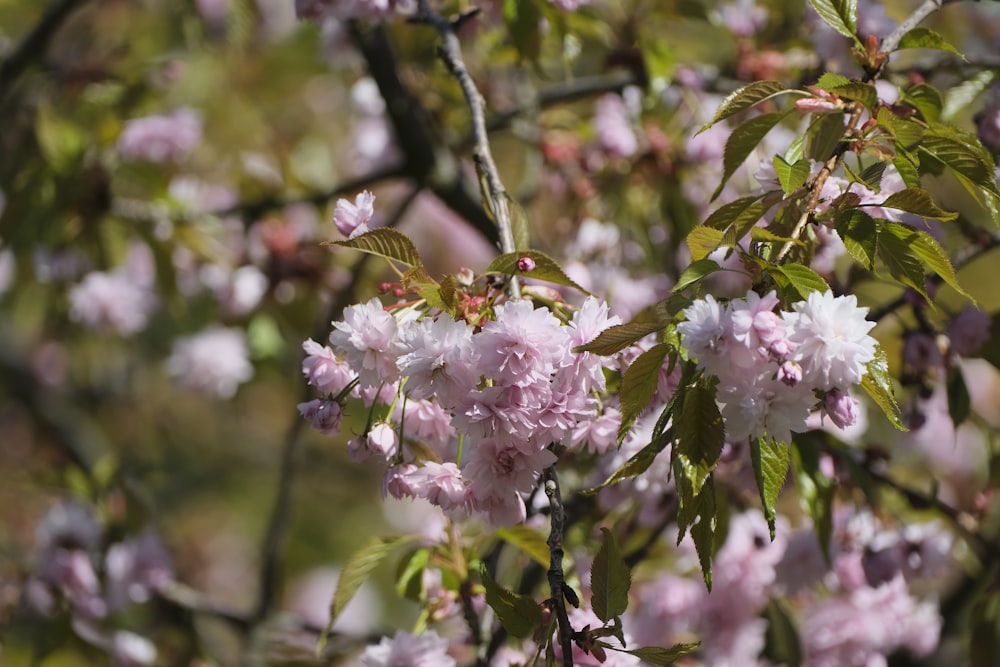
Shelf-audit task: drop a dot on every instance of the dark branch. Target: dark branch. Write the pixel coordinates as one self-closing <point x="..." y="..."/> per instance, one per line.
<point x="36" y="43"/>
<point x="558" y="588"/>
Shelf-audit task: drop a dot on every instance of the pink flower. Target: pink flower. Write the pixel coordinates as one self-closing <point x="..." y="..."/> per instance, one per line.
<point x="369" y="340"/>
<point x="832" y="338"/>
<point x="406" y="650"/>
<point x="352" y="219"/>
<point x="439" y="359"/>
<point x="497" y="474"/>
<point x="439" y="483"/>
<point x="522" y="346"/>
<point x="601" y="433"/>
<point x="425" y="421"/>
<point x="214" y="361"/>
<point x="323" y="415"/>
<point x="323" y="370"/>
<point x="382" y="440"/>
<point x="168" y="138"/>
<point x="613" y="127"/>
<point x="969" y="330"/>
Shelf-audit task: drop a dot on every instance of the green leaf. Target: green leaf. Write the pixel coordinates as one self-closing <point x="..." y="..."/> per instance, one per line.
<point x="804" y="280"/>
<point x="824" y="133"/>
<point x="637" y="464"/>
<point x="743" y="140"/>
<point x="546" y="268"/>
<point x="781" y="641"/>
<point x="639" y="384"/>
<point x="841" y="15"/>
<point x="871" y="176"/>
<point x="615" y="339"/>
<point x="959" y="402"/>
<point x="920" y="202"/>
<point x="744" y="98"/>
<point x="61" y="141"/>
<point x="695" y="272"/>
<point x="878" y="383"/>
<point x="925" y="38"/>
<point x="419" y="281"/>
<point x="964" y="155"/>
<point x="924" y="246"/>
<point x="409" y="574"/>
<point x="661" y="657"/>
<point x="765" y="235"/>
<point x="770" y="467"/>
<point x="857" y="91"/>
<point x="899" y="258"/>
<point x="384" y="242"/>
<point x="816" y="490"/>
<point x="518" y="614"/>
<point x="926" y="99"/>
<point x="528" y="540"/>
<point x="703" y="532"/>
<point x="523" y="20"/>
<point x="906" y="165"/>
<point x="962" y="95"/>
<point x="355" y="573"/>
<point x="610" y="580"/>
<point x="860" y="235"/>
<point x="520" y="228"/>
<point x="829" y="80"/>
<point x="702" y="241"/>
<point x="791" y="176"/>
<point x="725" y="215"/>
<point x="700" y="430"/>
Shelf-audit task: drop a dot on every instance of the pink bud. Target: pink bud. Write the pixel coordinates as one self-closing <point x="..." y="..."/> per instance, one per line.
<point x="840" y="408"/>
<point x="790" y="373"/>
<point x="526" y="265"/>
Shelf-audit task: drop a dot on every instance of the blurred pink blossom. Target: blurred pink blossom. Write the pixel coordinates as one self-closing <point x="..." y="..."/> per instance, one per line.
<point x="213" y="361"/>
<point x="163" y="138"/>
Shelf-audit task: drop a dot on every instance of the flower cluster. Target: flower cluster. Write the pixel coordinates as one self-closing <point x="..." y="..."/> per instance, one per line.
<point x="511" y="385"/>
<point x="773" y="367"/>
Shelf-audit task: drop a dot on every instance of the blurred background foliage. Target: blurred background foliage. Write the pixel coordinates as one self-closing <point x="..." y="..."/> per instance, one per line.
<point x="290" y="121"/>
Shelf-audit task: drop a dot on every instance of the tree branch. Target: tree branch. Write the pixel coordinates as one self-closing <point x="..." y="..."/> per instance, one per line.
<point x="35" y="44"/>
<point x="890" y="43"/>
<point x="558" y="589"/>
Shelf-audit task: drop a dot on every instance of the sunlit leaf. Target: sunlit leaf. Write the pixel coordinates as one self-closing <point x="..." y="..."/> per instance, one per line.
<point x="743" y="140"/>
<point x="617" y="338"/>
<point x="804" y="280"/>
<point x="857" y="91"/>
<point x="878" y="383"/>
<point x="409" y="575"/>
<point x="356" y="572"/>
<point x="528" y="540"/>
<point x="545" y="269"/>
<point x="926" y="99"/>
<point x="384" y="242"/>
<point x="830" y="80"/>
<point x="841" y="15"/>
<point x="791" y="176"/>
<point x="823" y="135"/>
<point x="920" y="202"/>
<point x="610" y="579"/>
<point x="702" y="241"/>
<point x="744" y="98"/>
<point x="695" y="272"/>
<point x="925" y="38"/>
<point x="654" y="655"/>
<point x="770" y="467"/>
<point x="637" y="464"/>
<point x="926" y="248"/>
<point x="963" y="94"/>
<point x="897" y="253"/>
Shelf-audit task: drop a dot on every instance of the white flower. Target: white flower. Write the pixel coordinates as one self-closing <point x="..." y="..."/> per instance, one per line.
<point x="406" y="650"/>
<point x="369" y="340"/>
<point x="831" y="335"/>
<point x="214" y="361"/>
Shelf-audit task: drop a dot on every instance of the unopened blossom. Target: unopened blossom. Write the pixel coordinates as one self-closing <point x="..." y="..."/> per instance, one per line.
<point x="614" y="128"/>
<point x="790" y="373"/>
<point x="162" y="138"/>
<point x="368" y="337"/>
<point x="406" y="650"/>
<point x="840" y="407"/>
<point x="352" y="219"/>
<point x="214" y="361"/>
<point x="831" y="334"/>
<point x="383" y="440"/>
<point x="324" y="415"/>
<point x="324" y="370"/>
<point x="969" y="330"/>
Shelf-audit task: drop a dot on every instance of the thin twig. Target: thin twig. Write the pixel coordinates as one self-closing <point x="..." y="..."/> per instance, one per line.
<point x="35" y="44"/>
<point x="890" y="43"/>
<point x="494" y="193"/>
<point x="557" y="580"/>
